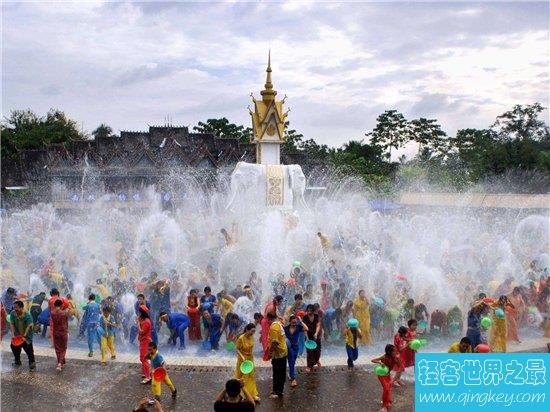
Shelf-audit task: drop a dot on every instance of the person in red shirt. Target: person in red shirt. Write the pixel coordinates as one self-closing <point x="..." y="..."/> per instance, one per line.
<point x="3" y="321"/>
<point x="54" y="296"/>
<point x="144" y="338"/>
<point x="194" y="316"/>
<point x="264" y="334"/>
<point x="392" y="361"/>
<point x="60" y="332"/>
<point x="407" y="358"/>
<point x="400" y="342"/>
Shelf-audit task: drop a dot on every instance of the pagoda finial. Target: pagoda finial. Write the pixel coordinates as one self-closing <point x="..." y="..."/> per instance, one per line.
<point x="268" y="93"/>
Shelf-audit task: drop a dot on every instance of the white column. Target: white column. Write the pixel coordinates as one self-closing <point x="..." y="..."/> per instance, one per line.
<point x="270" y="154"/>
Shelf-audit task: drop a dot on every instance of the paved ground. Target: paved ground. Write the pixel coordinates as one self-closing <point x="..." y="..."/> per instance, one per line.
<point x="87" y="386"/>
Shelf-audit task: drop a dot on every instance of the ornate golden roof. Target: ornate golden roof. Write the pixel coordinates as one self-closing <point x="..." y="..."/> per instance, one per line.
<point x="268" y="118"/>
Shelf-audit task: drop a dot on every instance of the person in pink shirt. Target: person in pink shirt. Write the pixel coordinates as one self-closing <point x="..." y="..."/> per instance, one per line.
<point x="144" y="338"/>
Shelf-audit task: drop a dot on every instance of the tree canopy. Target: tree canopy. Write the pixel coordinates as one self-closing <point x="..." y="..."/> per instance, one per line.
<point x="223" y="129"/>
<point x="25" y="130"/>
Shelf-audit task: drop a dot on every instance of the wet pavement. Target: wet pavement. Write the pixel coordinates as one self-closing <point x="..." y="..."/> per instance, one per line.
<point x="88" y="386"/>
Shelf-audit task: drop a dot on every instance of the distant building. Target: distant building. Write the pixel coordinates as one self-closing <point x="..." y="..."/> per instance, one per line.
<point x="75" y="175"/>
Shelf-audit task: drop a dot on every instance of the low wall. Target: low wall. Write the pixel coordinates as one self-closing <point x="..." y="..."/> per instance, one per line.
<point x="478" y="200"/>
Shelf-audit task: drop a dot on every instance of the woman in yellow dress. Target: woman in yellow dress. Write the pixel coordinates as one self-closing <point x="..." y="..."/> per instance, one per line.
<point x="362" y="314"/>
<point x="245" y="346"/>
<point x="497" y="338"/>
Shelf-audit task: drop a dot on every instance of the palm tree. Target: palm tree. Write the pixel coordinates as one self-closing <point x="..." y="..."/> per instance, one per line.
<point x="102" y="131"/>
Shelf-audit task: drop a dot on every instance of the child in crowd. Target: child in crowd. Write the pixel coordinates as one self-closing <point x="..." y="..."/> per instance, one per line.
<point x="108" y="325"/>
<point x="351" y="334"/>
<point x="157" y="361"/>
<point x="391" y="360"/>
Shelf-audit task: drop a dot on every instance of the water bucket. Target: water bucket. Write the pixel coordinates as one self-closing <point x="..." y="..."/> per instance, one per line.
<point x="17" y="340"/>
<point x="499" y="313"/>
<point x="100" y="331"/>
<point x="301" y="313"/>
<point x="206" y="345"/>
<point x="353" y="323"/>
<point x="482" y="348"/>
<point x="486" y="322"/>
<point x="159" y="374"/>
<point x="247" y="366"/>
<point x="415" y="344"/>
<point x="422" y="324"/>
<point x="381" y="370"/>
<point x="311" y="344"/>
<point x="230" y="346"/>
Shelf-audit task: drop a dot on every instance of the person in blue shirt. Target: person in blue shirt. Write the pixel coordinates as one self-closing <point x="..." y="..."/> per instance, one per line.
<point x="213" y="325"/>
<point x="157" y="361"/>
<point x="36" y="307"/>
<point x="44" y="320"/>
<point x="177" y="323"/>
<point x="134" y="329"/>
<point x="90" y="321"/>
<point x="293" y="330"/>
<point x="165" y="298"/>
<point x="8" y="298"/>
<point x="157" y="300"/>
<point x="208" y="298"/>
<point x="474" y="323"/>
<point x="234" y="326"/>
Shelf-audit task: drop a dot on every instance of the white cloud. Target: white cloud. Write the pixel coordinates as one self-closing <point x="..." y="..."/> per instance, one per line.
<point x="130" y="64"/>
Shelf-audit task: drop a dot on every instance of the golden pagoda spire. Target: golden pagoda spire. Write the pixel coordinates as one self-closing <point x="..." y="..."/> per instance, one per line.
<point x="268" y="123"/>
<point x="268" y="93"/>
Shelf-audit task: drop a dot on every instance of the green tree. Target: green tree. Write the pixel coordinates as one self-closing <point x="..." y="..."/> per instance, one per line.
<point x="102" y="131"/>
<point x="361" y="159"/>
<point x="522" y="122"/>
<point x="24" y="130"/>
<point x="390" y="131"/>
<point x="428" y="134"/>
<point x="223" y="129"/>
<point x="294" y="140"/>
<point x="473" y="148"/>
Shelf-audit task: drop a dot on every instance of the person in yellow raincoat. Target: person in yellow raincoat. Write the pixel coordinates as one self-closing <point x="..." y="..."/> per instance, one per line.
<point x="497" y="337"/>
<point x="224" y="304"/>
<point x="245" y="346"/>
<point x="362" y="314"/>
<point x="73" y="310"/>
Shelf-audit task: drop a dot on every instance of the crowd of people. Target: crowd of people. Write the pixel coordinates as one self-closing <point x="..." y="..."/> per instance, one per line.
<point x="287" y="316"/>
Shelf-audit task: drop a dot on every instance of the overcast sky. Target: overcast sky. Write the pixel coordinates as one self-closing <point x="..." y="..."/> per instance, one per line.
<point x="131" y="64"/>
